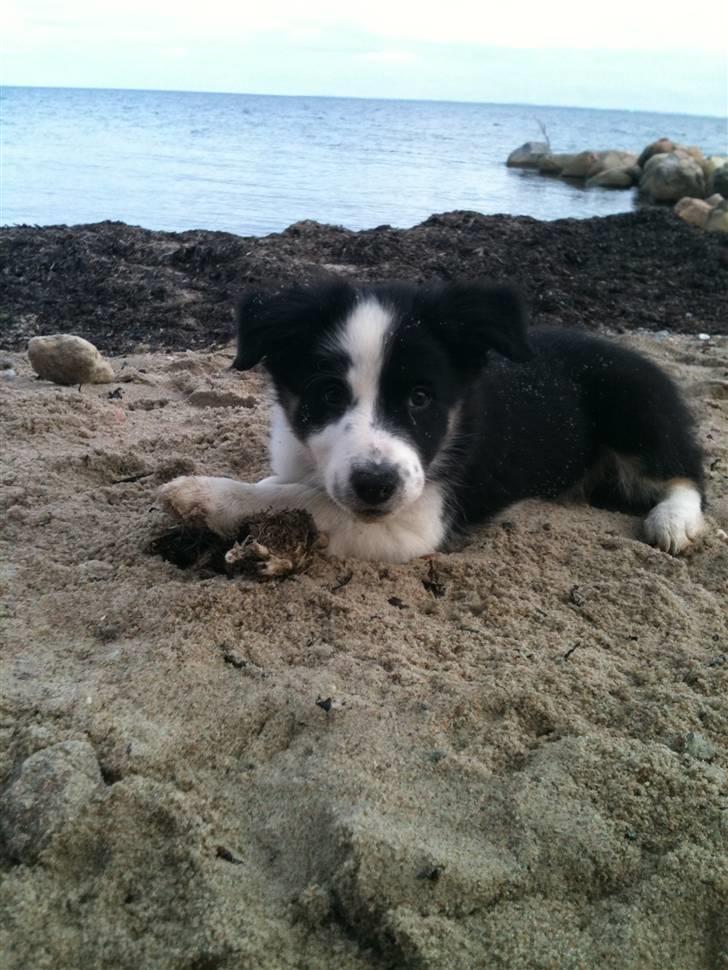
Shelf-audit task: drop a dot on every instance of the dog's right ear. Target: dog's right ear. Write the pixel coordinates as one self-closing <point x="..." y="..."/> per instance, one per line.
<point x="252" y="325"/>
<point x="271" y="324"/>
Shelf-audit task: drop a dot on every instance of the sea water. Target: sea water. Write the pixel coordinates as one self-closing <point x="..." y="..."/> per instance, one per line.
<point x="254" y="164"/>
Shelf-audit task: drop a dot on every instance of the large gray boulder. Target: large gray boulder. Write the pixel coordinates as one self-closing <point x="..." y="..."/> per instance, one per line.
<point x="528" y="154"/>
<point x="668" y="177"/>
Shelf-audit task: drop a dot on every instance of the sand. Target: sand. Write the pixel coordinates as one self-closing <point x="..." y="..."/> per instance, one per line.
<point x="512" y="757"/>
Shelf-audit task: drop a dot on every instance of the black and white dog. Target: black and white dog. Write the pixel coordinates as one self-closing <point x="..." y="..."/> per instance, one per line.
<point x="404" y="415"/>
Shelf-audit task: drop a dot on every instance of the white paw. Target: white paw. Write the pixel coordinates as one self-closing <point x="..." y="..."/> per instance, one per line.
<point x="675" y="521"/>
<point x="201" y="500"/>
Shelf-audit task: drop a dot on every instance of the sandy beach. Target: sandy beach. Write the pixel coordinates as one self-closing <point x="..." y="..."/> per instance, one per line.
<point x="514" y="756"/>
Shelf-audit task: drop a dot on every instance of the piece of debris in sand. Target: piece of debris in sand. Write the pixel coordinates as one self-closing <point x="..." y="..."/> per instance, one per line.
<point x="268" y="546"/>
<point x="276" y="545"/>
<point x="66" y="359"/>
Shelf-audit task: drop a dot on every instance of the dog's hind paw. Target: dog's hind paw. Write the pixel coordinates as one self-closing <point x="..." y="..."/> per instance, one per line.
<point x="676" y="521"/>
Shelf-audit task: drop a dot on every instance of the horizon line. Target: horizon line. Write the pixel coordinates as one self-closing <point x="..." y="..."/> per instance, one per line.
<point x="359" y="97"/>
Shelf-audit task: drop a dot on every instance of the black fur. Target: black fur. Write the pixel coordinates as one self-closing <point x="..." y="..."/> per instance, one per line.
<point x="535" y="412"/>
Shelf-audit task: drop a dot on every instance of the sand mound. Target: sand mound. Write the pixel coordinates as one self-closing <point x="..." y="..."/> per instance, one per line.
<point x="510" y="757"/>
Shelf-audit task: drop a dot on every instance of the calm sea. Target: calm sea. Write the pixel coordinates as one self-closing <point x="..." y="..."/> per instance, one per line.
<point x="253" y="164"/>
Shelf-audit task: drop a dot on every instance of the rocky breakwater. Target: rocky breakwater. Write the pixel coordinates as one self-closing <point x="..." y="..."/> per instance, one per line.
<point x="664" y="172"/>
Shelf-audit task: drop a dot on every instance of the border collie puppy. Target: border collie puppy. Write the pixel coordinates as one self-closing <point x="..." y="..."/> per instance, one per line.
<point x="403" y="415"/>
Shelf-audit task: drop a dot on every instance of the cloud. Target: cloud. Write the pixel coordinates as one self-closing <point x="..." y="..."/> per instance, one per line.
<point x="388" y="57"/>
<point x="573" y="24"/>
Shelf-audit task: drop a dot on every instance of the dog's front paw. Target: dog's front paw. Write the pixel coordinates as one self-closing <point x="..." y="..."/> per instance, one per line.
<point x="202" y="501"/>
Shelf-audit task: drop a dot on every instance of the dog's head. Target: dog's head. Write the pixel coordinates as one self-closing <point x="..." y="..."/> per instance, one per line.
<point x="371" y="378"/>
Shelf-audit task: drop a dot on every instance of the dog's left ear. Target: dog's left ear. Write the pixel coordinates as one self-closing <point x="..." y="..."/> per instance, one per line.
<point x="472" y="318"/>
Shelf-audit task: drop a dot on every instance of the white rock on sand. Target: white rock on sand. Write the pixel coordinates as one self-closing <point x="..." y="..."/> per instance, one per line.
<point x="66" y="359"/>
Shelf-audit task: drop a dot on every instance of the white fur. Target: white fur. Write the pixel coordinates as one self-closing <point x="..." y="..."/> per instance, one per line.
<point x="315" y="475"/>
<point x="291" y="460"/>
<point x="677" y="519"/>
<point x="357" y="437"/>
<point x="223" y="504"/>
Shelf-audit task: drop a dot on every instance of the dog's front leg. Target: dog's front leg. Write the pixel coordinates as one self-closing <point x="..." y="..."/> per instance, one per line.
<point x="222" y="504"/>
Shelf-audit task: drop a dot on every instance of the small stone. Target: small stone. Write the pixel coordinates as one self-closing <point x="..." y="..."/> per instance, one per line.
<point x="53" y="786"/>
<point x="66" y="359"/>
<point x="7" y="374"/>
<point x="699" y="747"/>
<point x="703" y="336"/>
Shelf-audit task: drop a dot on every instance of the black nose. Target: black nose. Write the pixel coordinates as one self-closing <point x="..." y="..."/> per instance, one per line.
<point x="374" y="484"/>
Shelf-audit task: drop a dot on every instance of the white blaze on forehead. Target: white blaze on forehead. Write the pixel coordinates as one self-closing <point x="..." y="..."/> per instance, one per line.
<point x="355" y="438"/>
<point x="362" y="338"/>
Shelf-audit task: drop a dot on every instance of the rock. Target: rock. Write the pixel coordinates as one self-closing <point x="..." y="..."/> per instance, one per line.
<point x="53" y="786"/>
<point x="581" y="165"/>
<point x="614" y="159"/>
<point x="66" y="359"/>
<point x="587" y="164"/>
<point x="660" y="147"/>
<point x="612" y="178"/>
<point x="718" y="218"/>
<point x="718" y="180"/>
<point x="528" y="155"/>
<point x="694" y="211"/>
<point x="669" y="177"/>
<point x="714" y="199"/>
<point x="554" y="164"/>
<point x="714" y="162"/>
<point x="695" y="153"/>
<point x="698" y="747"/>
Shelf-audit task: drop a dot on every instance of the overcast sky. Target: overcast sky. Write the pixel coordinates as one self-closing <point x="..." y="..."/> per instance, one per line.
<point x="637" y="54"/>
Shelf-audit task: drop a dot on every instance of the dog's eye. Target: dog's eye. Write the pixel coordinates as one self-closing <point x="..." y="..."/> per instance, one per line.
<point x="419" y="398"/>
<point x="334" y="395"/>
